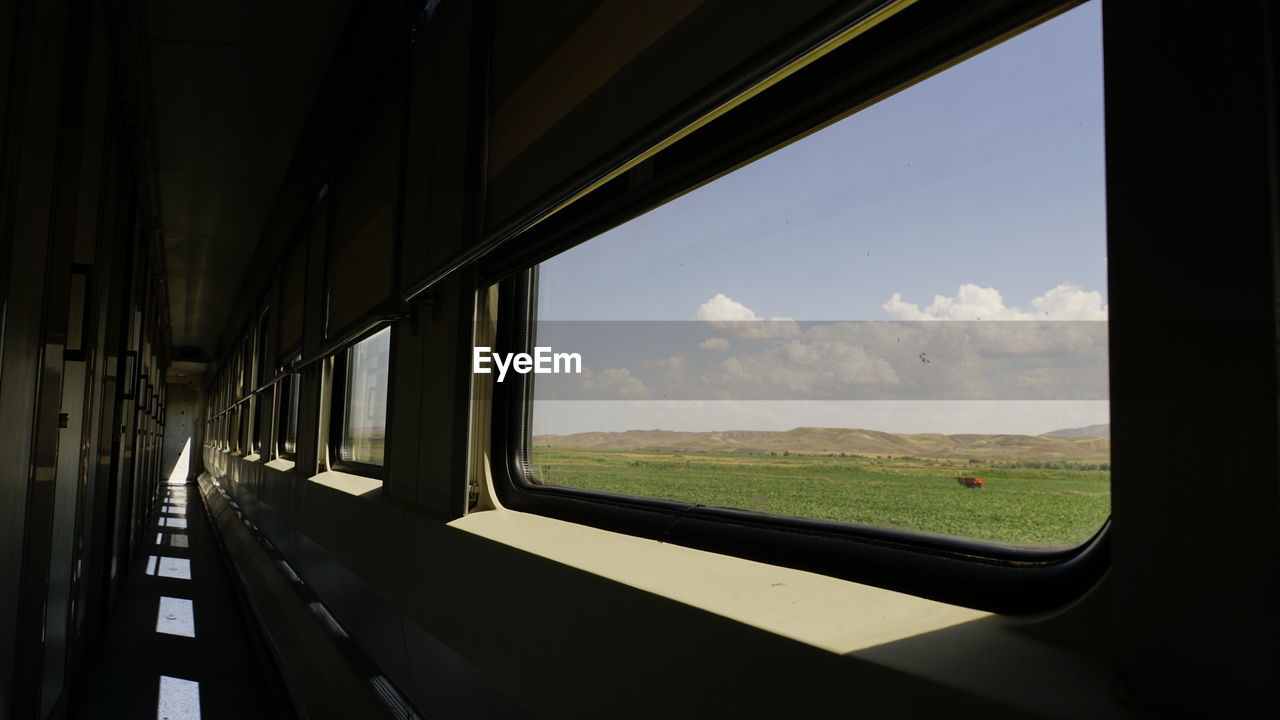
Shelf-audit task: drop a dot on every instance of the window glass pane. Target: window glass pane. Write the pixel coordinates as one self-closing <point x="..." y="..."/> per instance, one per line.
<point x="898" y="321"/>
<point x="365" y="418"/>
<point x="242" y="368"/>
<point x="289" y="415"/>
<point x="291" y="437"/>
<point x="261" y="374"/>
<point x="255" y="431"/>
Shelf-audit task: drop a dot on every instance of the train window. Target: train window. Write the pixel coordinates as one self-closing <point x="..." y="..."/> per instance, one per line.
<point x="246" y="427"/>
<point x="358" y="421"/>
<point x="260" y="376"/>
<point x="897" y="322"/>
<point x="242" y="368"/>
<point x="287" y="417"/>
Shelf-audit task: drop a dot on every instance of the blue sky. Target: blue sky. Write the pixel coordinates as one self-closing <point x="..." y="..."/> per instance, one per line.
<point x="988" y="175"/>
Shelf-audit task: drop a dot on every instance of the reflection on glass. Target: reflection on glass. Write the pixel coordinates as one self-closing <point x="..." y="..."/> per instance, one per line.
<point x="365" y="421"/>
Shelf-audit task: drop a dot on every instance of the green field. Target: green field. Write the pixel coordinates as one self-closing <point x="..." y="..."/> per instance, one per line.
<point x="1020" y="505"/>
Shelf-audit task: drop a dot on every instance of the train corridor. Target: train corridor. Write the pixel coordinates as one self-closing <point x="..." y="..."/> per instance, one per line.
<point x="179" y="645"/>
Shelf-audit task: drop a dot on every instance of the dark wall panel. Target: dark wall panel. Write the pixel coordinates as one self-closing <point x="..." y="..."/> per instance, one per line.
<point x="557" y="111"/>
<point x="292" y="299"/>
<point x="366" y="205"/>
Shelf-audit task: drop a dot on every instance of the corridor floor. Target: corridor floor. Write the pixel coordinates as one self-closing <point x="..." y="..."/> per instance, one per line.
<point x="179" y="646"/>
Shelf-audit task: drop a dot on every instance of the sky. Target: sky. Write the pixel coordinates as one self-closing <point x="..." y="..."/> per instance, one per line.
<point x="977" y="194"/>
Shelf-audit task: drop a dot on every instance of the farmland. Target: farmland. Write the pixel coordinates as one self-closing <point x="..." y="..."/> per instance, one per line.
<point x="1025" y="502"/>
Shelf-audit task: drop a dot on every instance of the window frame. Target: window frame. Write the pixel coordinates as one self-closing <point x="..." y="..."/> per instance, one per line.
<point x="258" y="439"/>
<point x="339" y="379"/>
<point x="285" y="396"/>
<point x="237" y="429"/>
<point x="953" y="570"/>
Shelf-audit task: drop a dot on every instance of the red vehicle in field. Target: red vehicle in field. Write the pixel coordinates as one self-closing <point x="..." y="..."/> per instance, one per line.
<point x="971" y="482"/>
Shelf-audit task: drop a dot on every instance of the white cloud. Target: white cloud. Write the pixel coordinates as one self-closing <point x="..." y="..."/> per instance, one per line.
<point x="1069" y="302"/>
<point x="672" y="363"/>
<point x="973" y="302"/>
<point x="732" y="318"/>
<point x="723" y="308"/>
<point x="801" y="368"/>
<point x="613" y="382"/>
<point x="714" y="344"/>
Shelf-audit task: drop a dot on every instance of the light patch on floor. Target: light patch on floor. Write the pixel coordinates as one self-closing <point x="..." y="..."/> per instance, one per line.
<point x="179" y="699"/>
<point x="151" y="565"/>
<point x="178" y="568"/>
<point x="173" y="522"/>
<point x="182" y="468"/>
<point x="178" y="541"/>
<point x="176" y="617"/>
<point x="159" y="538"/>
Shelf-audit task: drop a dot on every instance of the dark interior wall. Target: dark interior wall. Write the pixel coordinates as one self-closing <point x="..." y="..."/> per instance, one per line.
<point x="532" y="125"/>
<point x="365" y="194"/>
<point x="1194" y="202"/>
<point x="28" y="183"/>
<point x="78" y="454"/>
<point x="611" y="77"/>
<point x="341" y="102"/>
<point x="230" y="84"/>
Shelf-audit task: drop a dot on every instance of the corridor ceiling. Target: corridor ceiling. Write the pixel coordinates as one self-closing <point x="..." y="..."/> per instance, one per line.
<point x="230" y="87"/>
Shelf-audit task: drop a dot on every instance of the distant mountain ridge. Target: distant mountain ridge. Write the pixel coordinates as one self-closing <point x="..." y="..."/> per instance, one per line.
<point x="859" y="441"/>
<point x="1098" y="431"/>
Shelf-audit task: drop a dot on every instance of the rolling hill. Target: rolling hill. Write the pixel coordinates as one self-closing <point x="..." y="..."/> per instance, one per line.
<point x="1097" y="431"/>
<point x="821" y="441"/>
